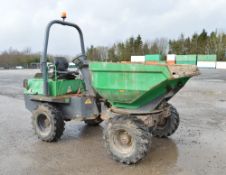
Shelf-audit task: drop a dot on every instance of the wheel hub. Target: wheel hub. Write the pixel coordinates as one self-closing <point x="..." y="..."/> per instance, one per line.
<point x="123" y="142"/>
<point x="125" y="138"/>
<point x="162" y="122"/>
<point x="43" y="122"/>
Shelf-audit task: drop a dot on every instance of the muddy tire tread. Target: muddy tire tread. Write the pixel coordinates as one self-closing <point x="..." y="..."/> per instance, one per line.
<point x="172" y="125"/>
<point x="143" y="140"/>
<point x="58" y="126"/>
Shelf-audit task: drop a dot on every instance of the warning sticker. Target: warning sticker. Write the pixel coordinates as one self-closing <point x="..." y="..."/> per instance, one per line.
<point x="88" y="101"/>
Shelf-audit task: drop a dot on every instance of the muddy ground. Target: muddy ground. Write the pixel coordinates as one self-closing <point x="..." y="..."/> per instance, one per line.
<point x="197" y="148"/>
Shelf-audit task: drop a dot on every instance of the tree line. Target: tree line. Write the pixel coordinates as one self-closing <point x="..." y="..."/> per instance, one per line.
<point x="202" y="43"/>
<point x="11" y="58"/>
<point x="25" y="58"/>
<point x="122" y="51"/>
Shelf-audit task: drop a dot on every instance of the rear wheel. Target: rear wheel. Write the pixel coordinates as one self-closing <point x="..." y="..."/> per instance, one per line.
<point x="94" y="122"/>
<point x="48" y="123"/>
<point x="127" y="139"/>
<point x="168" y="125"/>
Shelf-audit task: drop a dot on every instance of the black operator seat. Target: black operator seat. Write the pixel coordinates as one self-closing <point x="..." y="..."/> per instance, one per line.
<point x="62" y="71"/>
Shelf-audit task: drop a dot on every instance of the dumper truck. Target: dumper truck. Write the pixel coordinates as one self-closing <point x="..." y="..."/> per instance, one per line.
<point x="131" y="98"/>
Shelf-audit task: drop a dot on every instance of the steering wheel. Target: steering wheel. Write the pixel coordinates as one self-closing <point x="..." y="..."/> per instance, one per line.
<point x="77" y="61"/>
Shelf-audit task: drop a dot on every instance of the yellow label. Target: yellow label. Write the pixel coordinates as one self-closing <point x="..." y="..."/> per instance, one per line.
<point x="88" y="101"/>
<point x="121" y="90"/>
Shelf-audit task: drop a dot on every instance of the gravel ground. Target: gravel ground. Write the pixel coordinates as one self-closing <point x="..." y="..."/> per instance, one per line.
<point x="197" y="148"/>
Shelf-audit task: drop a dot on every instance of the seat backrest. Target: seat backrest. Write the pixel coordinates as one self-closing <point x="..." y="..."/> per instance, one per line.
<point x="61" y="63"/>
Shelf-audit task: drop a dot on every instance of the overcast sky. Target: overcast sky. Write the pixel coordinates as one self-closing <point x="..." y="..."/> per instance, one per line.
<point x="104" y="22"/>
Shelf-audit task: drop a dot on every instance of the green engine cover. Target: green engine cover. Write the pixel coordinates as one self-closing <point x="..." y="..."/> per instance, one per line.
<point x="56" y="87"/>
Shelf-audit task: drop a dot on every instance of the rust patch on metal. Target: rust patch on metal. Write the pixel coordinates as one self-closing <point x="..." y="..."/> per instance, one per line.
<point x="178" y="71"/>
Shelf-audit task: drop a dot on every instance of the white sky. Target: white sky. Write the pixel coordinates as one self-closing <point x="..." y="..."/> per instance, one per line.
<point x="104" y="22"/>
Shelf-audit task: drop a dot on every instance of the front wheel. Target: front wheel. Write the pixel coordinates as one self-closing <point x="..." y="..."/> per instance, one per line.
<point x="127" y="139"/>
<point x="168" y="125"/>
<point x="48" y="123"/>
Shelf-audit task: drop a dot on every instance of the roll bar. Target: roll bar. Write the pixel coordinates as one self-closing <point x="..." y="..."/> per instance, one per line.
<point x="84" y="63"/>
